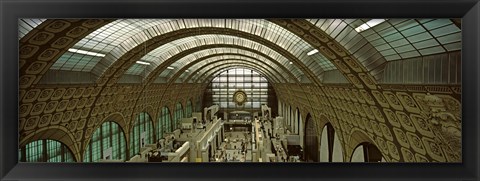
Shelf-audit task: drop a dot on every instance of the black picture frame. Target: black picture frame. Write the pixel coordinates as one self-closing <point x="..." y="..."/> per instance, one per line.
<point x="469" y="10"/>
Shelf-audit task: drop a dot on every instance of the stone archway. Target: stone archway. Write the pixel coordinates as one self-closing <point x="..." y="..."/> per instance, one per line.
<point x="311" y="141"/>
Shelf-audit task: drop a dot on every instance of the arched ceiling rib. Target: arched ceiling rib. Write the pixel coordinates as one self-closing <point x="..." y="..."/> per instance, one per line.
<point x="178" y="65"/>
<point x="181" y="73"/>
<point x="213" y="72"/>
<point x="118" y="44"/>
<point x="393" y="39"/>
<point x="271" y="75"/>
<point x="203" y="73"/>
<point x="152" y="76"/>
<point x="206" y="73"/>
<point x="118" y="68"/>
<point x="113" y="40"/>
<point x="276" y="76"/>
<point x="162" y="53"/>
<point x="267" y="55"/>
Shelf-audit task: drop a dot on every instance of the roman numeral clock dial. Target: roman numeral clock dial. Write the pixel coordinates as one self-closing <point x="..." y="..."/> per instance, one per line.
<point x="239" y="97"/>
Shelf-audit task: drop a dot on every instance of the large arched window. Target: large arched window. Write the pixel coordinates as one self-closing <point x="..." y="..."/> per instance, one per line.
<point x="141" y="133"/>
<point x="296" y="125"/>
<point x="178" y="115"/>
<point x="108" y="142"/>
<point x="198" y="105"/>
<point x="311" y="141"/>
<point x="290" y="119"/>
<point x="224" y="85"/>
<point x="164" y="123"/>
<point x="45" y="151"/>
<point x="188" y="109"/>
<point x="330" y="147"/>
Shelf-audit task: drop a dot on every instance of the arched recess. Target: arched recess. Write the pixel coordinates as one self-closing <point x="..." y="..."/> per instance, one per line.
<point x="188" y="108"/>
<point x="108" y="142"/>
<point x="367" y="152"/>
<point x="57" y="133"/>
<point x="330" y="146"/>
<point x="198" y="104"/>
<point x="358" y="139"/>
<point x="301" y="128"/>
<point x="178" y="115"/>
<point x="311" y="140"/>
<point x="290" y="118"/>
<point x="164" y="122"/>
<point x="141" y="133"/>
<point x="117" y="118"/>
<point x="45" y="150"/>
<point x="296" y="126"/>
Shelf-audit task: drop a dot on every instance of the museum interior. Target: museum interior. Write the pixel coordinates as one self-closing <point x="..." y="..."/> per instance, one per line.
<point x="239" y="90"/>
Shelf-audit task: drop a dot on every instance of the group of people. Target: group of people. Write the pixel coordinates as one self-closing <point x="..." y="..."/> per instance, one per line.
<point x="234" y="148"/>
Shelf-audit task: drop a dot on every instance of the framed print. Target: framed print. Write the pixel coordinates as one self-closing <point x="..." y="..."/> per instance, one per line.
<point x="272" y="90"/>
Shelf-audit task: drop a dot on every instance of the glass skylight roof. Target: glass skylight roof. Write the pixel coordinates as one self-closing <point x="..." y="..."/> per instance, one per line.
<point x="223" y="59"/>
<point x="197" y="55"/>
<point x="75" y="62"/>
<point x="26" y="25"/>
<point x="137" y="69"/>
<point x="383" y="41"/>
<point x="398" y="38"/>
<point x="116" y="38"/>
<point x="215" y="69"/>
<point x="104" y="40"/>
<point x="166" y="51"/>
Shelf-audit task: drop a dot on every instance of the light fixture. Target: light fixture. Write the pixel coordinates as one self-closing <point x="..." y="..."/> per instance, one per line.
<point x="312" y="52"/>
<point x="291" y="63"/>
<point x="171" y="68"/>
<point x="73" y="50"/>
<point x="369" y="24"/>
<point x="143" y="63"/>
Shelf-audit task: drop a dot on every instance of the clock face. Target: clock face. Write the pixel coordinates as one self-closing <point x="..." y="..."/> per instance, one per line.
<point x="239" y="97"/>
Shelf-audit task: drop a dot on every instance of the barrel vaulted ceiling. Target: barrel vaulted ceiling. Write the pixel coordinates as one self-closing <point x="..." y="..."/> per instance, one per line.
<point x="382" y="69"/>
<point x="171" y="45"/>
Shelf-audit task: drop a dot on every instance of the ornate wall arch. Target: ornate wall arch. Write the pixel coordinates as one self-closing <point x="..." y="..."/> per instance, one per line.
<point x="117" y="118"/>
<point x="357" y="137"/>
<point x="57" y="133"/>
